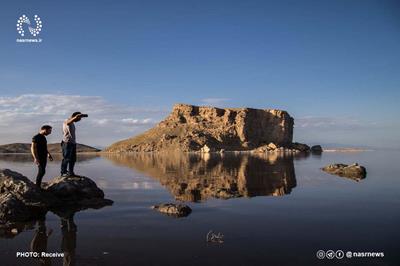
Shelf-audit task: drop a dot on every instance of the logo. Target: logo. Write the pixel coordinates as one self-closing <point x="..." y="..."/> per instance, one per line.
<point x="330" y="254"/>
<point x="320" y="254"/>
<point x="339" y="254"/>
<point x="34" y="31"/>
<point x="215" y="238"/>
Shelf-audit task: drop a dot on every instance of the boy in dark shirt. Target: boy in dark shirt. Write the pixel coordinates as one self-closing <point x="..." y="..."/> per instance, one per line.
<point x="40" y="153"/>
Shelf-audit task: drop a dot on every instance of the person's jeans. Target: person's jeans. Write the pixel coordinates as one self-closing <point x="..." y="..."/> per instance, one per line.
<point x="69" y="157"/>
<point x="41" y="171"/>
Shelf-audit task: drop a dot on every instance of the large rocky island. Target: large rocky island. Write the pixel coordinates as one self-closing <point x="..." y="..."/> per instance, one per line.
<point x="202" y="128"/>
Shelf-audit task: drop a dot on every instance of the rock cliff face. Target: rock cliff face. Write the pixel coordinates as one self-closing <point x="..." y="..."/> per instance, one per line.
<point x="189" y="128"/>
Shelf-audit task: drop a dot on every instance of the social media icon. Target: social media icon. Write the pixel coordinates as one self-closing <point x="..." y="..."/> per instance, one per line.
<point x="330" y="254"/>
<point x="339" y="254"/>
<point x="320" y="254"/>
<point x="349" y="254"/>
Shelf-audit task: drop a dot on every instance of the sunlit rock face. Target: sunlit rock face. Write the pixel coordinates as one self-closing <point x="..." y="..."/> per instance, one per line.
<point x="196" y="177"/>
<point x="189" y="128"/>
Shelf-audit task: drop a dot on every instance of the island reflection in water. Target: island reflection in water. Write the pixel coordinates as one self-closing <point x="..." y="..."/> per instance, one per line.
<point x="323" y="211"/>
<point x="198" y="177"/>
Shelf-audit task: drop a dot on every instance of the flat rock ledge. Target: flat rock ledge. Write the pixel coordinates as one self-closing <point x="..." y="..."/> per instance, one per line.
<point x="172" y="209"/>
<point x="352" y="171"/>
<point x="21" y="200"/>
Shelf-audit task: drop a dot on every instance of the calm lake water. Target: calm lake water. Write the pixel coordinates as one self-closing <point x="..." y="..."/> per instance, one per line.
<point x="282" y="211"/>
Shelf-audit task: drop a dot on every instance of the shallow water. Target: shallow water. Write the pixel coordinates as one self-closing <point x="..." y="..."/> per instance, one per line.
<point x="271" y="210"/>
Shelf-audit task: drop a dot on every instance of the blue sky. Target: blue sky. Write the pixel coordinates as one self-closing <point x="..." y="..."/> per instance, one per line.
<point x="333" y="65"/>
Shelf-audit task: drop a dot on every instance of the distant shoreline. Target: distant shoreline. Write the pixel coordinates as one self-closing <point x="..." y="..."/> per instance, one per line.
<point x="53" y="148"/>
<point x="347" y="150"/>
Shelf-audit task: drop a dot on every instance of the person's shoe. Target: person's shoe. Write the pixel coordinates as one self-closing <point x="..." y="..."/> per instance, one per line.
<point x="64" y="175"/>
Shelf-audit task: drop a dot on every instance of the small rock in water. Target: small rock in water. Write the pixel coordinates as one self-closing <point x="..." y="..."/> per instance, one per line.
<point x="177" y="210"/>
<point x="353" y="171"/>
<point x="300" y="147"/>
<point x="316" y="149"/>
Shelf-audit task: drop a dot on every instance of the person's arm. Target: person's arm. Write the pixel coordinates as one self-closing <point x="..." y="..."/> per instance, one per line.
<point x="34" y="152"/>
<point x="73" y="119"/>
<point x="49" y="155"/>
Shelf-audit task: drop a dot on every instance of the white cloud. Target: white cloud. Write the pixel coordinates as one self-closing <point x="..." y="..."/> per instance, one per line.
<point x="331" y="122"/>
<point x="214" y="101"/>
<point x="21" y="116"/>
<point x="133" y="121"/>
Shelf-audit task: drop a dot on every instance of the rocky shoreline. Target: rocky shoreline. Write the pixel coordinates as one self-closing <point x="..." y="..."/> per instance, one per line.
<point x="21" y="200"/>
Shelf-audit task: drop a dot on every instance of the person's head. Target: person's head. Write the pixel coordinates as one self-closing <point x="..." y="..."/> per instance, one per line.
<point x="75" y="114"/>
<point x="46" y="130"/>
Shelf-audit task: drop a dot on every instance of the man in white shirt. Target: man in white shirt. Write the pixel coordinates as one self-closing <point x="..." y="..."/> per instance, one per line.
<point x="68" y="144"/>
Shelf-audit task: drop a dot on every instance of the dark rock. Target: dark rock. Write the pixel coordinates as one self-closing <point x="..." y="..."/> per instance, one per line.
<point x="317" y="149"/>
<point x="75" y="189"/>
<point x="21" y="200"/>
<point x="176" y="210"/>
<point x="353" y="171"/>
<point x="20" y="186"/>
<point x="300" y="147"/>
